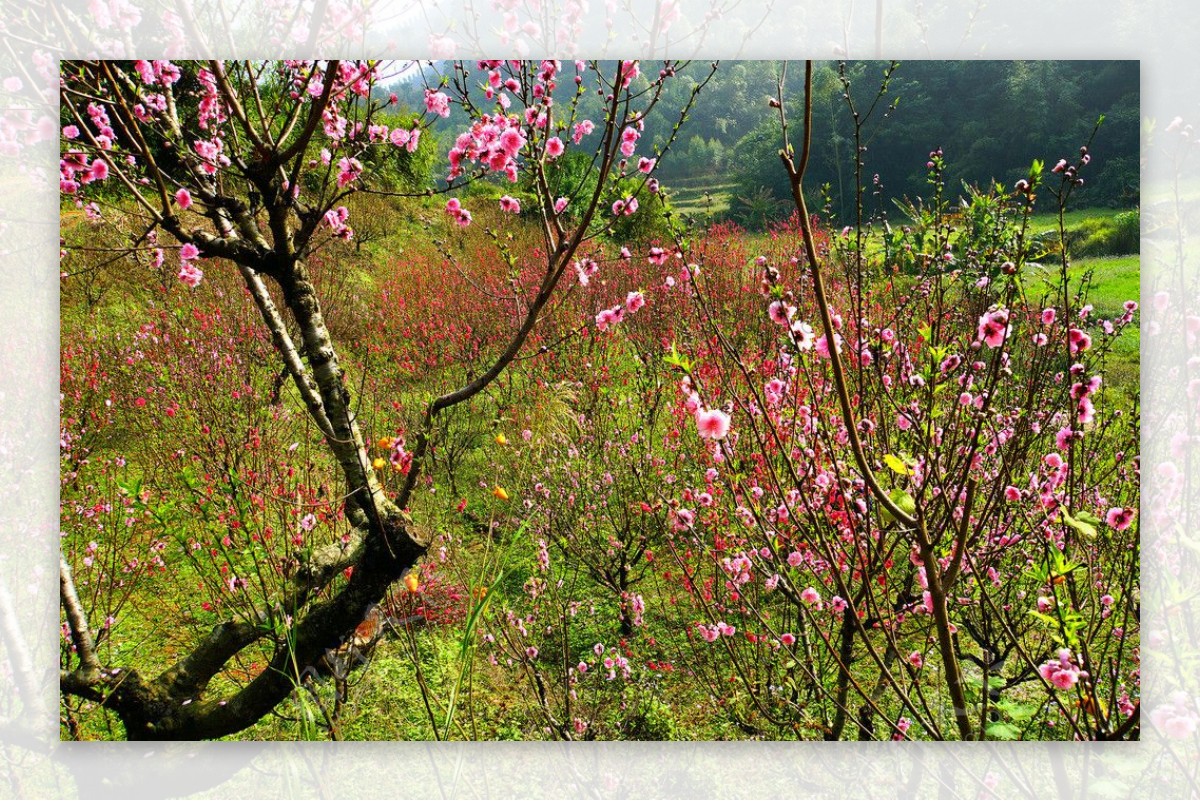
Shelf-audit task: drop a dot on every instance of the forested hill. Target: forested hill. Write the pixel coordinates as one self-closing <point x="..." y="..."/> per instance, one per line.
<point x="991" y="118"/>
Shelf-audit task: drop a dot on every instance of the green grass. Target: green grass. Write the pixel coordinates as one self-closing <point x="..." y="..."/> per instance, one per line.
<point x="710" y="195"/>
<point x="1047" y="221"/>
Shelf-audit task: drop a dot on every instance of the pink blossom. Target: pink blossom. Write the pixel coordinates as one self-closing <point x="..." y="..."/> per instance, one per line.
<point x="70" y="132"/>
<point x="629" y="138"/>
<point x="336" y="220"/>
<point x="531" y="652"/>
<point x="646" y="165"/>
<point x="190" y="274"/>
<point x="183" y="198"/>
<point x="455" y="210"/>
<point x="586" y="268"/>
<point x="810" y="596"/>
<point x="802" y="336"/>
<point x="629" y="71"/>
<point x="712" y="423"/>
<point x="437" y="102"/>
<point x="609" y="317"/>
<point x="348" y="171"/>
<point x="1062" y="439"/>
<point x="916" y="659"/>
<point x="994" y="328"/>
<point x="581" y="130"/>
<point x="510" y="204"/>
<point x="1012" y="494"/>
<point x="554" y="147"/>
<point x="512" y="141"/>
<point x="560" y="205"/>
<point x="1064" y="679"/>
<point x="1079" y="340"/>
<point x="1061" y="672"/>
<point x="1119" y="518"/>
<point x="780" y="313"/>
<point x="787" y="639"/>
<point x="188" y="252"/>
<point x="635" y="301"/>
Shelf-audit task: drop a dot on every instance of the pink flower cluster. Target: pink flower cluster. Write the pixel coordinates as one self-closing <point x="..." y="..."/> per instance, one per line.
<point x="614" y="315"/>
<point x="1081" y="392"/>
<point x="711" y="633"/>
<point x="437" y="103"/>
<point x="629" y="139"/>
<point x="1177" y="718"/>
<point x="625" y="206"/>
<point x="629" y="71"/>
<point x="189" y="273"/>
<point x="1062" y="672"/>
<point x="157" y="73"/>
<point x="336" y="220"/>
<point x="349" y="169"/>
<point x="657" y="256"/>
<point x="74" y="170"/>
<point x="410" y="140"/>
<point x="457" y="212"/>
<point x="494" y="141"/>
<point x="1079" y="341"/>
<point x="585" y="269"/>
<point x="211" y="112"/>
<point x="581" y="130"/>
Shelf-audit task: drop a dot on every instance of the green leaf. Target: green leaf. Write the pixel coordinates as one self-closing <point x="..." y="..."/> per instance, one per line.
<point x="1016" y="711"/>
<point x="676" y="360"/>
<point x="1000" y="730"/>
<point x="903" y="501"/>
<point x="1086" y="530"/>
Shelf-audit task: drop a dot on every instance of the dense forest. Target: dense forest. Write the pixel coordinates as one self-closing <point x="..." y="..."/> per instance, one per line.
<point x="1003" y="115"/>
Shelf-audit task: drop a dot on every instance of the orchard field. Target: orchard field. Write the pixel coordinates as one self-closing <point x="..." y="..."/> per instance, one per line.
<point x="446" y="421"/>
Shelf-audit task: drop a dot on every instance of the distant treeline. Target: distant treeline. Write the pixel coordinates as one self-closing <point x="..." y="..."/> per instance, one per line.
<point x="991" y="119"/>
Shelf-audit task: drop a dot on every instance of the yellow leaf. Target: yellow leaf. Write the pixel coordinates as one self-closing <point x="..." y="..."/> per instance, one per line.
<point x="897" y="465"/>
